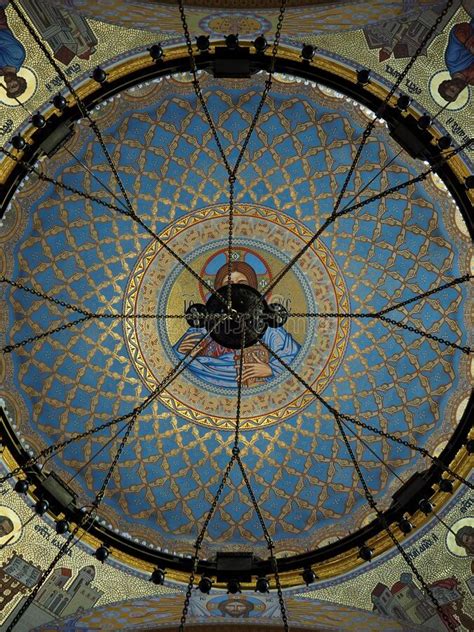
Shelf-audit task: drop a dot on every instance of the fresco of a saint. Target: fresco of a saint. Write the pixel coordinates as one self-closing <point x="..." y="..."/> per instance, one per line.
<point x="219" y="366"/>
<point x="12" y="56"/>
<point x="459" y="58"/>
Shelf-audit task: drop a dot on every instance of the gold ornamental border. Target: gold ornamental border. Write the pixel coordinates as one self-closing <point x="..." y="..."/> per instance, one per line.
<point x="335" y="355"/>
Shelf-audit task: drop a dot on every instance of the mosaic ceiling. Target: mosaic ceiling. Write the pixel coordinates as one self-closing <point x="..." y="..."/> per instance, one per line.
<point x="93" y="257"/>
<point x="87" y="255"/>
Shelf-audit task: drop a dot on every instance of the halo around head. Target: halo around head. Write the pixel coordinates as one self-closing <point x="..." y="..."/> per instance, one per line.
<point x="457" y="104"/>
<point x="31" y="84"/>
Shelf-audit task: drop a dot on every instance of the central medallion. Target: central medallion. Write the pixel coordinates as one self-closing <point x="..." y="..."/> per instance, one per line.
<point x="212" y="327"/>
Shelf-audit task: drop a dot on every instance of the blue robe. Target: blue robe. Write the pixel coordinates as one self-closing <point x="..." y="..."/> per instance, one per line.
<point x="222" y="371"/>
<point x="457" y="56"/>
<point x="12" y="53"/>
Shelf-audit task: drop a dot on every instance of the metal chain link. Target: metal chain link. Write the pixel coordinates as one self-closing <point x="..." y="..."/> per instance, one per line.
<point x="85" y="113"/>
<point x="117" y="209"/>
<point x="268" y="85"/>
<point x="403" y="185"/>
<point x="230" y="240"/>
<point x="390" y="308"/>
<point x="197" y="87"/>
<point x="236" y="448"/>
<point x="231" y="171"/>
<point x="328" y="221"/>
<point x="56" y="447"/>
<point x="408" y="444"/>
<point x="465" y="349"/>
<point x="381" y="110"/>
<point x="99" y="496"/>
<point x="371" y="501"/>
<point x="45" y="334"/>
<point x="425" y="334"/>
<point x="270" y="544"/>
<point x="40" y="294"/>
<point x="74" y="308"/>
<point x="217" y="495"/>
<point x="67" y="544"/>
<point x="197" y="546"/>
<point x="362" y="424"/>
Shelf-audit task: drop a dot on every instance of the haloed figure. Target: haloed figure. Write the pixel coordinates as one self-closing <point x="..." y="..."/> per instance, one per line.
<point x="12" y="56"/>
<point x="459" y="59"/>
<point x="217" y="365"/>
<point x="6" y="526"/>
<point x="465" y="539"/>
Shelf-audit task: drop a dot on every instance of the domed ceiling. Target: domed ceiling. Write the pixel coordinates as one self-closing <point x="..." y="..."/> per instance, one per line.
<point x="97" y="259"/>
<point x="99" y="310"/>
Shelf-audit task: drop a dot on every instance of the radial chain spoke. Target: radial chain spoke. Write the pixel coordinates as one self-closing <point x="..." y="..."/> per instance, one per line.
<point x="388" y="163"/>
<point x="329" y="220"/>
<point x="88" y="516"/>
<point x="363" y="424"/>
<point x="217" y="495"/>
<point x="231" y="171"/>
<point x="57" y="447"/>
<point x="117" y="209"/>
<point x="385" y="310"/>
<point x="85" y="113"/>
<point x="389" y="95"/>
<point x="380" y="314"/>
<point x="373" y="505"/>
<point x="45" y="334"/>
<point x="270" y="545"/>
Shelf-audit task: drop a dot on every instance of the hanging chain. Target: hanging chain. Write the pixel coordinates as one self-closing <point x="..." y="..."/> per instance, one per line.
<point x="45" y="334"/>
<point x="74" y="308"/>
<point x="270" y="545"/>
<point x="236" y="449"/>
<point x="362" y="424"/>
<point x="197" y="88"/>
<point x="408" y="444"/>
<point x="117" y="209"/>
<point x="425" y="334"/>
<point x="131" y="213"/>
<point x="371" y="501"/>
<point x="465" y="349"/>
<point x="383" y="107"/>
<point x="79" y="102"/>
<point x="379" y="315"/>
<point x="230" y="240"/>
<point x="379" y="196"/>
<point x="231" y="171"/>
<point x="55" y="448"/>
<point x="235" y="453"/>
<point x="197" y="546"/>
<point x="66" y="546"/>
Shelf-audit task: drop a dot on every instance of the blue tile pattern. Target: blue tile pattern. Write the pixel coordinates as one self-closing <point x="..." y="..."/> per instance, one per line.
<point x="81" y="252"/>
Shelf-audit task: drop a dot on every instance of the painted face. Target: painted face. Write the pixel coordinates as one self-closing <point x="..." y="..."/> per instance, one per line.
<point x="238" y="277"/>
<point x="235" y="608"/>
<point x="6" y="527"/>
<point x="468" y="543"/>
<point x="453" y="88"/>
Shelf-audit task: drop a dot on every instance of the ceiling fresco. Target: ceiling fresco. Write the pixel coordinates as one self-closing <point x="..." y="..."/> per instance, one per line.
<point x="97" y="259"/>
<point x="240" y="17"/>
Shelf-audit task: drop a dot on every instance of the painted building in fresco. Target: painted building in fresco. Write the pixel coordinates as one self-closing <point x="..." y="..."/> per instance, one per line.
<point x="67" y="33"/>
<point x="59" y="597"/>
